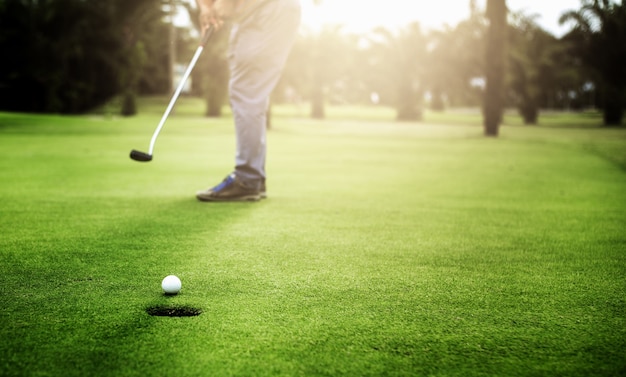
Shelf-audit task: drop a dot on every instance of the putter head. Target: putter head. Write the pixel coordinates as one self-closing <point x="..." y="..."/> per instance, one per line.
<point x="140" y="156"/>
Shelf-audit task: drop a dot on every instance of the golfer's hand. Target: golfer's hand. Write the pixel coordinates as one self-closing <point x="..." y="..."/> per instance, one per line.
<point x="209" y="18"/>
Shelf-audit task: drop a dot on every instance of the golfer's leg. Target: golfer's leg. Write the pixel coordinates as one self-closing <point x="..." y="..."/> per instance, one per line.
<point x="260" y="45"/>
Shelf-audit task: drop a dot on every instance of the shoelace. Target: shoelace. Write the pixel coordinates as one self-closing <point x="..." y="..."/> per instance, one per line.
<point x="225" y="183"/>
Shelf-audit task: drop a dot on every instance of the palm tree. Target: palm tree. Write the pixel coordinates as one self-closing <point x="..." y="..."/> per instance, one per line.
<point x="327" y="57"/>
<point x="456" y="57"/>
<point x="212" y="74"/>
<point x="495" y="65"/>
<point x="318" y="63"/>
<point x="534" y="64"/>
<point x="401" y="61"/>
<point x="72" y="67"/>
<point x="135" y="16"/>
<point x="599" y="34"/>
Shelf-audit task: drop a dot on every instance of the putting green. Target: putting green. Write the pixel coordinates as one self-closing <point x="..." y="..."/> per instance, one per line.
<point x="383" y="249"/>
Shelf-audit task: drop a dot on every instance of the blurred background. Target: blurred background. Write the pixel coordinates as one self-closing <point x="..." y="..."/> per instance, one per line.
<point x="73" y="56"/>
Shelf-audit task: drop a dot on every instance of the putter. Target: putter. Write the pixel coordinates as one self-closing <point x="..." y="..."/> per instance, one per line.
<point x="146" y="157"/>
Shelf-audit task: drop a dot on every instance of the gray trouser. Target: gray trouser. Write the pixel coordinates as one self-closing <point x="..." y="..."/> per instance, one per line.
<point x="259" y="46"/>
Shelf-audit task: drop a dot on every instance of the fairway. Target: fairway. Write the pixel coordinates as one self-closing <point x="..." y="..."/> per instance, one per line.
<point x="383" y="249"/>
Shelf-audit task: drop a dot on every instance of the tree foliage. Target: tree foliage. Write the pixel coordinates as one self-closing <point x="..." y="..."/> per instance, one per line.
<point x="211" y="78"/>
<point x="598" y="39"/>
<point x="322" y="67"/>
<point x="456" y="58"/>
<point x="401" y="64"/>
<point x="534" y="66"/>
<point x="68" y="56"/>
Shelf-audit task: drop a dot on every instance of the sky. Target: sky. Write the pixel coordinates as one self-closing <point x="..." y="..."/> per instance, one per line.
<point x="364" y="15"/>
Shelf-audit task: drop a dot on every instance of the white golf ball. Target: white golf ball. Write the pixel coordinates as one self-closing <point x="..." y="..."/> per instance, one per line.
<point x="171" y="285"/>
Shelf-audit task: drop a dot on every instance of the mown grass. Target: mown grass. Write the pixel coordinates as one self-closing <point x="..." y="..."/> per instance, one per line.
<point x="384" y="249"/>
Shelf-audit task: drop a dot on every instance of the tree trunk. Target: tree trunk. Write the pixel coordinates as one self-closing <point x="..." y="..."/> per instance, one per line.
<point x="172" y="45"/>
<point x="437" y="103"/>
<point x="409" y="103"/>
<point x="495" y="65"/>
<point x="317" y="102"/>
<point x="613" y="108"/>
<point x="215" y="85"/>
<point x="529" y="110"/>
<point x="129" y="104"/>
<point x="213" y="104"/>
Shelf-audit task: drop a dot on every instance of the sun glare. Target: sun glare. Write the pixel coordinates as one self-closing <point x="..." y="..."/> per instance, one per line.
<point x="362" y="16"/>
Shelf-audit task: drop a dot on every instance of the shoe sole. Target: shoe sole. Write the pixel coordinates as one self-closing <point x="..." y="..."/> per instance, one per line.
<point x="247" y="198"/>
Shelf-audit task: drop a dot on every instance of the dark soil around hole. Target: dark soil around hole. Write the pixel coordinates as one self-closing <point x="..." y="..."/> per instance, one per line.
<point x="173" y="311"/>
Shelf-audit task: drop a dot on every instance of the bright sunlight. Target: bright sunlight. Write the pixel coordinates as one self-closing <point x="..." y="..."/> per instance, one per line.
<point x="364" y="15"/>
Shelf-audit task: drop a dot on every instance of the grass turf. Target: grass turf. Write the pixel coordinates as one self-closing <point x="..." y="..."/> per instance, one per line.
<point x="384" y="249"/>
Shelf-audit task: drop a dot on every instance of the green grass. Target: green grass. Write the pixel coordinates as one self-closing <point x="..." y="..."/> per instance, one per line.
<point x="385" y="248"/>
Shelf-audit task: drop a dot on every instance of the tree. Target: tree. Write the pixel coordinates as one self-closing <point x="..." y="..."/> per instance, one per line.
<point x="457" y="59"/>
<point x="599" y="33"/>
<point x="69" y="56"/>
<point x="212" y="75"/>
<point x="440" y="67"/>
<point x="401" y="63"/>
<point x="533" y="62"/>
<point x="318" y="64"/>
<point x="140" y="14"/>
<point x="216" y="74"/>
<point x="495" y="66"/>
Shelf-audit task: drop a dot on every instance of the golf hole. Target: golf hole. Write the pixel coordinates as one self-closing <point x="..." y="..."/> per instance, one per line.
<point x="173" y="311"/>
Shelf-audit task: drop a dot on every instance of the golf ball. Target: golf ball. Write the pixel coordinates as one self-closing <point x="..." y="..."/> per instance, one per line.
<point x="171" y="285"/>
